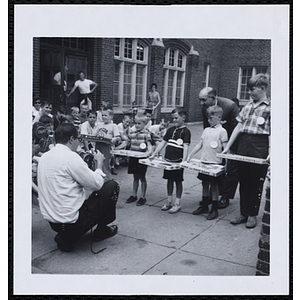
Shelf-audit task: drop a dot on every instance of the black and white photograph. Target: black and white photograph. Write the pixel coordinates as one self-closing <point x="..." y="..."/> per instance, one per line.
<point x="146" y="158"/>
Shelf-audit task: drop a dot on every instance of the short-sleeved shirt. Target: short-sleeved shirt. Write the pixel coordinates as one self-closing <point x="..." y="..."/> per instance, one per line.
<point x="176" y="137"/>
<point x="137" y="138"/>
<point x="255" y="118"/>
<point x="84" y="85"/>
<point x="86" y="128"/>
<point x="155" y="129"/>
<point x="108" y="131"/>
<point x="212" y="138"/>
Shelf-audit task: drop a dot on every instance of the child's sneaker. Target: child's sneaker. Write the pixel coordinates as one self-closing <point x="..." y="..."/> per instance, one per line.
<point x="166" y="206"/>
<point x="141" y="202"/>
<point x="175" y="209"/>
<point x="131" y="199"/>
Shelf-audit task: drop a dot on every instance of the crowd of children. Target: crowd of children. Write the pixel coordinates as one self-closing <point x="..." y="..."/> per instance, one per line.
<point x="140" y="135"/>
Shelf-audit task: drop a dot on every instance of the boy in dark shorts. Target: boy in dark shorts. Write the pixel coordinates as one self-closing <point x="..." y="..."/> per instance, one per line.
<point x="212" y="141"/>
<point x="140" y="140"/>
<point x="253" y="130"/>
<point x="177" y="140"/>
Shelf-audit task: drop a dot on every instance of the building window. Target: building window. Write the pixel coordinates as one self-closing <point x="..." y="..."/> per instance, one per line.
<point x="74" y="43"/>
<point x="174" y="76"/>
<point x="245" y="73"/>
<point x="206" y="75"/>
<point x="130" y="79"/>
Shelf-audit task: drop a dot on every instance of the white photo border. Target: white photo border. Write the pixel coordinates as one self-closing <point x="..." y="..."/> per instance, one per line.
<point x="200" y="21"/>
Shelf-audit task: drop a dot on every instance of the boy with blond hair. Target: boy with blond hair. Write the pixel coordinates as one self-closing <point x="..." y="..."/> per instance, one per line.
<point x="108" y="130"/>
<point x="213" y="140"/>
<point x="140" y="140"/>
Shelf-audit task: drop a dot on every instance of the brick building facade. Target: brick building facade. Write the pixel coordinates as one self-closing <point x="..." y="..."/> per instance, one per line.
<point x="125" y="68"/>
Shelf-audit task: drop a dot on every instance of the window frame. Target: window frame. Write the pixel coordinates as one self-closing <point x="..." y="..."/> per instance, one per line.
<point x="240" y="84"/>
<point x="168" y="69"/>
<point x="206" y="75"/>
<point x="134" y="62"/>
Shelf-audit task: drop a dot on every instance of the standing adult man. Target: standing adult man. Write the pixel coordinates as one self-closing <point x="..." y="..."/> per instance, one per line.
<point x="84" y="87"/>
<point x="208" y="97"/>
<point x="63" y="178"/>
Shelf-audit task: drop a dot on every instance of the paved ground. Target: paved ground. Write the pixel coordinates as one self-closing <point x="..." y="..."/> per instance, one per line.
<point x="153" y="242"/>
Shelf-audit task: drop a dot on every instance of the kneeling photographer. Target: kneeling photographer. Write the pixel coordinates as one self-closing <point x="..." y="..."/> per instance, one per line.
<point x="63" y="177"/>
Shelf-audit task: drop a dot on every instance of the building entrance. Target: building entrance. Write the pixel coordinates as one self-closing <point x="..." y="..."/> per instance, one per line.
<point x="60" y="66"/>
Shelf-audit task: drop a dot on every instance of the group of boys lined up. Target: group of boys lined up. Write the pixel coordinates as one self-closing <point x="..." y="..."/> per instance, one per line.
<point x="252" y="130"/>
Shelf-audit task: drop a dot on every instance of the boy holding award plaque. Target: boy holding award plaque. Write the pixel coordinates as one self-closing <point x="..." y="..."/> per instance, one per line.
<point x="177" y="140"/>
<point x="140" y="140"/>
<point x="212" y="141"/>
<point x="253" y="130"/>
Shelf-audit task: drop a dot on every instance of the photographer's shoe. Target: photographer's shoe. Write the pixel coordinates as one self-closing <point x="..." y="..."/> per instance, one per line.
<point x="63" y="245"/>
<point x="104" y="233"/>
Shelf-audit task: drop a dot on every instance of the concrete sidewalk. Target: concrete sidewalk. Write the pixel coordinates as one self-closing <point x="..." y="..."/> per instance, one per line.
<point x="153" y="242"/>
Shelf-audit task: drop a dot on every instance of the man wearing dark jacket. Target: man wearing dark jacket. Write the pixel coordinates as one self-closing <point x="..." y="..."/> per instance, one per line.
<point x="208" y="97"/>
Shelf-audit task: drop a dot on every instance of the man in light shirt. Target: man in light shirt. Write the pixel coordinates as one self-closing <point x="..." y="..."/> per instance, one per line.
<point x="63" y="178"/>
<point x="84" y="87"/>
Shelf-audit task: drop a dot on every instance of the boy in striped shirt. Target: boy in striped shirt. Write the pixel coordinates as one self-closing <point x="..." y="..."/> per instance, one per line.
<point x="140" y="140"/>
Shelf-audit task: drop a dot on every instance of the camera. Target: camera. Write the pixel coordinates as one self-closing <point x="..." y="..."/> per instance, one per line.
<point x="89" y="159"/>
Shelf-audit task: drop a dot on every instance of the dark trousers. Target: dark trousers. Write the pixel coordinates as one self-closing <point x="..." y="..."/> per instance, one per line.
<point x="252" y="176"/>
<point x="99" y="208"/>
<point x="231" y="180"/>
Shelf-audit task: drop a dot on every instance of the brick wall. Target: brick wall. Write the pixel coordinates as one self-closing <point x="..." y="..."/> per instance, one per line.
<point x="241" y="53"/>
<point x="155" y="71"/>
<point x="36" y="67"/>
<point x="103" y="70"/>
<point x="225" y="57"/>
<point x="263" y="258"/>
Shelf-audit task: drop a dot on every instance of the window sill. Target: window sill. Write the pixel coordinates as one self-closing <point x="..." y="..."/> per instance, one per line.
<point x="167" y="110"/>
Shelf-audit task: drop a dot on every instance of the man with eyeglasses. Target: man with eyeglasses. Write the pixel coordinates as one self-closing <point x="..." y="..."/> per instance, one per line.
<point x="63" y="179"/>
<point x="208" y="97"/>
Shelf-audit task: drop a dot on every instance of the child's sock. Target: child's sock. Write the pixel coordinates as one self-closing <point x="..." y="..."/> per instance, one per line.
<point x="214" y="205"/>
<point x="170" y="199"/>
<point x="177" y="201"/>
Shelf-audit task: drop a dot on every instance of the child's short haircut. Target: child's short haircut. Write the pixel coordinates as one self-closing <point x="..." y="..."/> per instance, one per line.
<point x="180" y="110"/>
<point x="67" y="119"/>
<point x="258" y="80"/>
<point x="83" y="106"/>
<point x="37" y="98"/>
<point x="214" y="110"/>
<point x="46" y="103"/>
<point x="46" y="120"/>
<point x="91" y="112"/>
<point x="154" y="84"/>
<point x="62" y="109"/>
<point x="75" y="109"/>
<point x="127" y="117"/>
<point x="109" y="110"/>
<point x="148" y="111"/>
<point x="141" y="116"/>
<point x="165" y="121"/>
